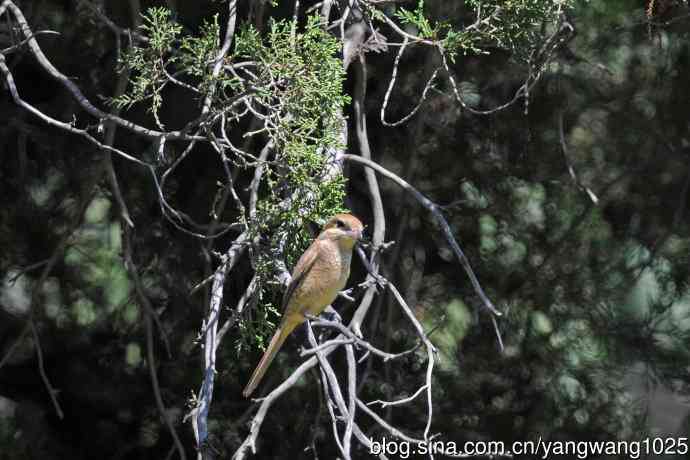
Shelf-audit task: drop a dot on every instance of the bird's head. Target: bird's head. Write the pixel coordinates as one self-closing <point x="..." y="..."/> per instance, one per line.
<point x="346" y="229"/>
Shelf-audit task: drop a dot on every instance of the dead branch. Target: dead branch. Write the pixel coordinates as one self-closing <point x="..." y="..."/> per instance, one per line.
<point x="434" y="209"/>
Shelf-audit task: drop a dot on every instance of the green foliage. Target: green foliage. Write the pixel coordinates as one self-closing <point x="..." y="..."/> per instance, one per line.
<point x="296" y="79"/>
<point x="95" y="254"/>
<point x="299" y="82"/>
<point x="256" y="332"/>
<point x="168" y="54"/>
<point x="455" y="324"/>
<point x="198" y="52"/>
<point x="416" y="18"/>
<point x="148" y="63"/>
<point x="515" y="25"/>
<point x="300" y="75"/>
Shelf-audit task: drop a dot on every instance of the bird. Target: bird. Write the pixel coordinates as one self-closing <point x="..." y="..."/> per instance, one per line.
<point x="320" y="274"/>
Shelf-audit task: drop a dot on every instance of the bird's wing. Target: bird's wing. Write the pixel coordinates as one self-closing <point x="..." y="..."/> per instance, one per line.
<point x="304" y="265"/>
<point x="289" y="322"/>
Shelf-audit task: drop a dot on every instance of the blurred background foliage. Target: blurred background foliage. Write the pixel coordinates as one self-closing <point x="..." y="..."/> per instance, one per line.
<point x="592" y="268"/>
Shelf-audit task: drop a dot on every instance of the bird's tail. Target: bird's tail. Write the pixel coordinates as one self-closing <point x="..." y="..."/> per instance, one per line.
<point x="279" y="337"/>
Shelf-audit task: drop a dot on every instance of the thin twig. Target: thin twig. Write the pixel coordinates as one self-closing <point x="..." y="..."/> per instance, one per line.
<point x="330" y="381"/>
<point x="435" y="211"/>
<point x="220" y="57"/>
<point x="357" y="340"/>
<point x="83" y="101"/>
<point x="571" y="169"/>
<point x="430" y="349"/>
<point x="387" y="426"/>
<point x="399" y="402"/>
<point x="15" y="345"/>
<point x="146" y="303"/>
<point x="52" y="392"/>
<point x="394" y="74"/>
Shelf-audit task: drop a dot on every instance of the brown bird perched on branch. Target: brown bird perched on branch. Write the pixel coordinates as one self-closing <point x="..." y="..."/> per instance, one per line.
<point x="319" y="275"/>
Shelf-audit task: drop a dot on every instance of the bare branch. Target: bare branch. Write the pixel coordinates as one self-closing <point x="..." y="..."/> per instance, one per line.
<point x="210" y="326"/>
<point x="352" y="396"/>
<point x="399" y="402"/>
<point x="13" y="48"/>
<point x="374" y="194"/>
<point x="331" y="382"/>
<point x="114" y="27"/>
<point x="18" y="341"/>
<point x="433" y="208"/>
<point x="246" y="297"/>
<point x="358" y="341"/>
<point x="571" y="169"/>
<point x="388" y="427"/>
<point x="73" y="88"/>
<point x="250" y="441"/>
<point x="355" y="338"/>
<point x="9" y="79"/>
<point x="430" y="349"/>
<point x="148" y="314"/>
<point x="218" y="64"/>
<point x="394" y="74"/>
<point x="52" y="392"/>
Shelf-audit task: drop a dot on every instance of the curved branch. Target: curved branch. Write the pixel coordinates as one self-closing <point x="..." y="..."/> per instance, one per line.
<point x="374" y="194"/>
<point x="74" y="89"/>
<point x="435" y="211"/>
<point x="394" y="75"/>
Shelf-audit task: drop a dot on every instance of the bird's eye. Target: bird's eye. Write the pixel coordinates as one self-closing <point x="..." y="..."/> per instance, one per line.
<point x="339" y="223"/>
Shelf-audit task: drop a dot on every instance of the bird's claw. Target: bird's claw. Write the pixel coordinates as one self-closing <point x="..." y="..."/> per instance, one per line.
<point x="331" y="315"/>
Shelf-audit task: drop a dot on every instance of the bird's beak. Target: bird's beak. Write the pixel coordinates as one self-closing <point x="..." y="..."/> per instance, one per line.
<point x="361" y="237"/>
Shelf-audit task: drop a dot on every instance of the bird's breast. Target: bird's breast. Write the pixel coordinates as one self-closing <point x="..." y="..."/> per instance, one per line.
<point x="326" y="278"/>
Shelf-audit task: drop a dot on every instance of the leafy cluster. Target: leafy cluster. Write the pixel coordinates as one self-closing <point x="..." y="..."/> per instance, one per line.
<point x="168" y="55"/>
<point x="148" y="63"/>
<point x="288" y="79"/>
<point x="297" y="82"/>
<point x="515" y="25"/>
<point x="299" y="85"/>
